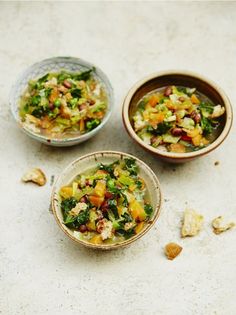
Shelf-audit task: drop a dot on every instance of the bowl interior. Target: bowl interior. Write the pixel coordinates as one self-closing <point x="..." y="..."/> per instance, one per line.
<point x="56" y="64"/>
<point x="204" y="86"/>
<point x="90" y="161"/>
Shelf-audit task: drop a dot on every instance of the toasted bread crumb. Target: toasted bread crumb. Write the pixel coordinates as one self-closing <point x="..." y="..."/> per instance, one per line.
<point x="217" y="163"/>
<point x="192" y="223"/>
<point x="172" y="250"/>
<point x="218" y="227"/>
<point x="36" y="176"/>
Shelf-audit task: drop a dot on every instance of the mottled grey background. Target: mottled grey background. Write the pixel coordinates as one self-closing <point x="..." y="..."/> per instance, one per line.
<point x="42" y="271"/>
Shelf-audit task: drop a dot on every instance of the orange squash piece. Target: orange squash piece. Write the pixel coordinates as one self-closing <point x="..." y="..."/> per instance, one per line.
<point x="100" y="188"/>
<point x="66" y="192"/>
<point x="137" y="211"/>
<point x="139" y="227"/>
<point x="96" y="200"/>
<point x="96" y="239"/>
<point x="153" y="100"/>
<point x="194" y="99"/>
<point x="177" y="147"/>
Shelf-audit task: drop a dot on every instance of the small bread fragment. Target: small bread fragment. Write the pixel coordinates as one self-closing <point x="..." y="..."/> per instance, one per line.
<point x="192" y="223"/>
<point x="36" y="176"/>
<point x="219" y="227"/>
<point x="172" y="250"/>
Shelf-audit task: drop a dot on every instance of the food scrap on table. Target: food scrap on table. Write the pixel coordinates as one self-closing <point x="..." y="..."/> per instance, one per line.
<point x="219" y="226"/>
<point x="192" y="223"/>
<point x="36" y="176"/>
<point x="172" y="250"/>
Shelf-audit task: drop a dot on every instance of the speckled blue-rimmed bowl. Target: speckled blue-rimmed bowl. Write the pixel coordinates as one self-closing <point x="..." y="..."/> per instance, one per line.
<point x="56" y="64"/>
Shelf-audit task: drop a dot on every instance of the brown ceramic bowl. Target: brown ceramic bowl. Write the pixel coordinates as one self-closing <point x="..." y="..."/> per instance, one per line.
<point x="89" y="162"/>
<point x="182" y="78"/>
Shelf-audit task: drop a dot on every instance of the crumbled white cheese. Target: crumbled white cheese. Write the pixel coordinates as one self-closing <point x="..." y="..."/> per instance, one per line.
<point x="80" y="206"/>
<point x="107" y="230"/>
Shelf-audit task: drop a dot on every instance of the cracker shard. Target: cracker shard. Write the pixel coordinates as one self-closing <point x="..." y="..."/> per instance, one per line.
<point x="219" y="226"/>
<point x="36" y="176"/>
<point x="172" y="250"/>
<point x="192" y="223"/>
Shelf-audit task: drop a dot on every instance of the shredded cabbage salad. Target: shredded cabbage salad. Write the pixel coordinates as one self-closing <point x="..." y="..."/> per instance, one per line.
<point x="63" y="104"/>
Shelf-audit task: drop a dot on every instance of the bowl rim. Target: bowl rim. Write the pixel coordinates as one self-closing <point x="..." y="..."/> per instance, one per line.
<point x="115" y="245"/>
<point x="173" y="155"/>
<point x="56" y="141"/>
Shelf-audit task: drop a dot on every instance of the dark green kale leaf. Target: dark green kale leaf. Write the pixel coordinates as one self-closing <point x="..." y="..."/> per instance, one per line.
<point x="68" y="204"/>
<point x="35" y="100"/>
<point x="75" y="92"/>
<point x="82" y="218"/>
<point x="113" y="206"/>
<point x="84" y="75"/>
<point x="148" y="209"/>
<point x="161" y="129"/>
<point x="206" y="125"/>
<point x="139" y="184"/>
<point x="131" y="166"/>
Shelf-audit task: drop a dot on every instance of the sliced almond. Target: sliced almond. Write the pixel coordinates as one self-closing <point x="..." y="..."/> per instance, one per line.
<point x="36" y="176"/>
<point x="220" y="227"/>
<point x="192" y="223"/>
<point x="172" y="250"/>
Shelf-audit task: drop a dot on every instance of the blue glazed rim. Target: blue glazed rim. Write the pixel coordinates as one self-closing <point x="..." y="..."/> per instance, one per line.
<point x="80" y="64"/>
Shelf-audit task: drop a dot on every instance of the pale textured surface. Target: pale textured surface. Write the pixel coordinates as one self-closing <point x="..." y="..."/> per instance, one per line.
<point x="43" y="272"/>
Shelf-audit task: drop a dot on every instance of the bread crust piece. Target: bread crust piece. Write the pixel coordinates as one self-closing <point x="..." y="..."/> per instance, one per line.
<point x="192" y="223"/>
<point x="219" y="227"/>
<point x="172" y="250"/>
<point x="36" y="176"/>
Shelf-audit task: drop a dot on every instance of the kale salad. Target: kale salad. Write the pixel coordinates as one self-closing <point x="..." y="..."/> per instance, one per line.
<point x="177" y="119"/>
<point x="107" y="204"/>
<point x="63" y="104"/>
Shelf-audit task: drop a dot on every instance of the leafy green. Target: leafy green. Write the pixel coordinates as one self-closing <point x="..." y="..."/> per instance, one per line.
<point x="73" y="102"/>
<point x="113" y="206"/>
<point x="207" y="107"/>
<point x="206" y="125"/>
<point x="47" y="92"/>
<point x="161" y="129"/>
<point x="148" y="209"/>
<point x="131" y="166"/>
<point x="82" y="218"/>
<point x="139" y="184"/>
<point x="92" y="124"/>
<point x="141" y="105"/>
<point x="35" y="100"/>
<point x="43" y="78"/>
<point x="84" y="75"/>
<point x="68" y="204"/>
<point x="126" y="217"/>
<point x="63" y="76"/>
<point x="126" y="234"/>
<point x="76" y="92"/>
<point x="39" y="112"/>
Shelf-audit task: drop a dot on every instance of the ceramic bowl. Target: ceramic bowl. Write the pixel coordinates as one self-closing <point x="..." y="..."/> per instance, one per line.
<point x="90" y="161"/>
<point x="56" y="64"/>
<point x="182" y="78"/>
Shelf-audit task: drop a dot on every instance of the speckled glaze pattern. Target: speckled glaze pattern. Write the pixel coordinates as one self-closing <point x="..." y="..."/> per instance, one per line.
<point x="56" y="64"/>
<point x="90" y="161"/>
